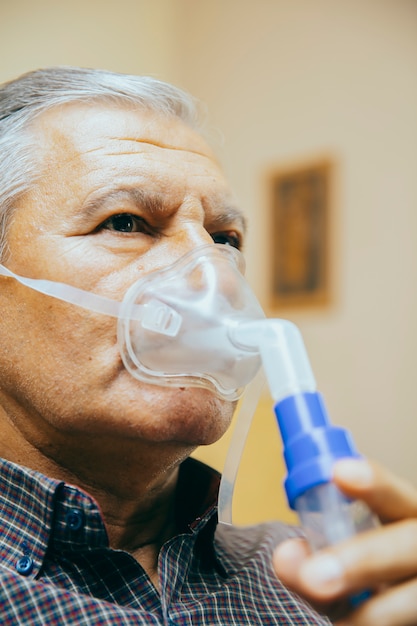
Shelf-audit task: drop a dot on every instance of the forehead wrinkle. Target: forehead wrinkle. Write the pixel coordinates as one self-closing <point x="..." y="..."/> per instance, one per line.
<point x="164" y="146"/>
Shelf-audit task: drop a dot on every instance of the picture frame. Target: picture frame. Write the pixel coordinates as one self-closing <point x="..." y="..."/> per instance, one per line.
<point x="300" y="215"/>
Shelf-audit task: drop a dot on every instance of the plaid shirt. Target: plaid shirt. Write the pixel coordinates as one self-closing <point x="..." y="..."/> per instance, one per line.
<point x="56" y="566"/>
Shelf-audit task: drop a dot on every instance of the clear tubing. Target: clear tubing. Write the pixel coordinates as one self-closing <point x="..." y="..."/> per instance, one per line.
<point x="237" y="444"/>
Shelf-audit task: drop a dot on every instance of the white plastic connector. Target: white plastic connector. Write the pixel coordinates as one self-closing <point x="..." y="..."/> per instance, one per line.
<point x="160" y="318"/>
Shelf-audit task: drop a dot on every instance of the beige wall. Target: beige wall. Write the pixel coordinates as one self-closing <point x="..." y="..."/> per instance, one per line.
<point x="132" y="36"/>
<point x="285" y="82"/>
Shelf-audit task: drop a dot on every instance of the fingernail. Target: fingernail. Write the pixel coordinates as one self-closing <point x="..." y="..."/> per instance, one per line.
<point x="323" y="570"/>
<point x="354" y="469"/>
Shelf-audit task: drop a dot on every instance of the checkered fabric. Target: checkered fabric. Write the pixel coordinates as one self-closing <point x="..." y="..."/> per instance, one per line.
<point x="56" y="566"/>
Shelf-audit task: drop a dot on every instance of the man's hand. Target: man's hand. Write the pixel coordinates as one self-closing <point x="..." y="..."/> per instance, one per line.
<point x="383" y="560"/>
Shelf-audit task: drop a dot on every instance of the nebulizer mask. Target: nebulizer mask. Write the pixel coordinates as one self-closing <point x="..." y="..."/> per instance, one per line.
<point x="197" y="323"/>
<point x="174" y="324"/>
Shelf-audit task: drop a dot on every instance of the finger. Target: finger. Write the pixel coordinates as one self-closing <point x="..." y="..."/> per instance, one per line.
<point x="390" y="497"/>
<point x="288" y="558"/>
<point x="386" y="555"/>
<point x="396" y="606"/>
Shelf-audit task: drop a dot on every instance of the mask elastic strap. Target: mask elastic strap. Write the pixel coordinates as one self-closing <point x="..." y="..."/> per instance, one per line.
<point x="154" y="315"/>
<point x="67" y="293"/>
<point x="237" y="444"/>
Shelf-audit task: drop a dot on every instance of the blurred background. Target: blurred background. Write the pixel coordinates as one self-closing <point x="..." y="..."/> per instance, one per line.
<point x="288" y="83"/>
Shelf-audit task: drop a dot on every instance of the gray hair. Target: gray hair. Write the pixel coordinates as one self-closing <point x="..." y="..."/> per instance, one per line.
<point x="24" y="99"/>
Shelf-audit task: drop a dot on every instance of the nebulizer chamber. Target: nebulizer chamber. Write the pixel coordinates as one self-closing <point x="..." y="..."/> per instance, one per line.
<point x="311" y="443"/>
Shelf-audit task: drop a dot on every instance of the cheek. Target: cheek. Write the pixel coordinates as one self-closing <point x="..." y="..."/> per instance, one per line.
<point x="74" y="338"/>
<point x="46" y="338"/>
<point x="59" y="371"/>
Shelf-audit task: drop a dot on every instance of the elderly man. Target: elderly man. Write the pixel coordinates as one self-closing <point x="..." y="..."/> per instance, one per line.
<point x="104" y="518"/>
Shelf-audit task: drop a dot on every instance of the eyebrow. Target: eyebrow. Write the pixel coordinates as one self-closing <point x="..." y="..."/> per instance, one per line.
<point x="230" y="215"/>
<point x="154" y="204"/>
<point x="151" y="202"/>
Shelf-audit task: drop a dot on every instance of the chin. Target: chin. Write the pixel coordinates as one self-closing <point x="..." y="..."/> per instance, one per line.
<point x="130" y="408"/>
<point x="191" y="415"/>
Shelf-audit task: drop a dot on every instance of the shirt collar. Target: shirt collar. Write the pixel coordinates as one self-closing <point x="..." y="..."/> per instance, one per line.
<point x="27" y="511"/>
<point x="196" y="497"/>
<point x="37" y="511"/>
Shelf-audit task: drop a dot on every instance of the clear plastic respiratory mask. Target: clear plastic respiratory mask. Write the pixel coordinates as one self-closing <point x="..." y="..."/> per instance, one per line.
<point x="185" y="336"/>
<point x="175" y="325"/>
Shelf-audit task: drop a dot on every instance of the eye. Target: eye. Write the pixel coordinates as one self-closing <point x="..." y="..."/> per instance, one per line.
<point x="126" y="223"/>
<point x="228" y="238"/>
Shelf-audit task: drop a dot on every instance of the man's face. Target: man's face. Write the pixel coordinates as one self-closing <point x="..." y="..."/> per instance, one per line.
<point x="123" y="192"/>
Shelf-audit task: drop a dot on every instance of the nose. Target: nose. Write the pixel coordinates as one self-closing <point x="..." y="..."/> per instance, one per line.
<point x="192" y="236"/>
<point x="204" y="279"/>
<point x="212" y="277"/>
<point x="187" y="228"/>
<point x="187" y="237"/>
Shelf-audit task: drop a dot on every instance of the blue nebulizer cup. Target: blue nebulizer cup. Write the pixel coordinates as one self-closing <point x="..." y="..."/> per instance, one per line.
<point x="311" y="447"/>
<point x="311" y="443"/>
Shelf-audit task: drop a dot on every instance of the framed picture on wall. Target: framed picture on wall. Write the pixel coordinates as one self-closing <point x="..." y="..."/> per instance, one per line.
<point x="300" y="216"/>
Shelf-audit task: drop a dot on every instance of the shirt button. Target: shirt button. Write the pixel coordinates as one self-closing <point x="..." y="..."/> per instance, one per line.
<point x="24" y="565"/>
<point x="75" y="519"/>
